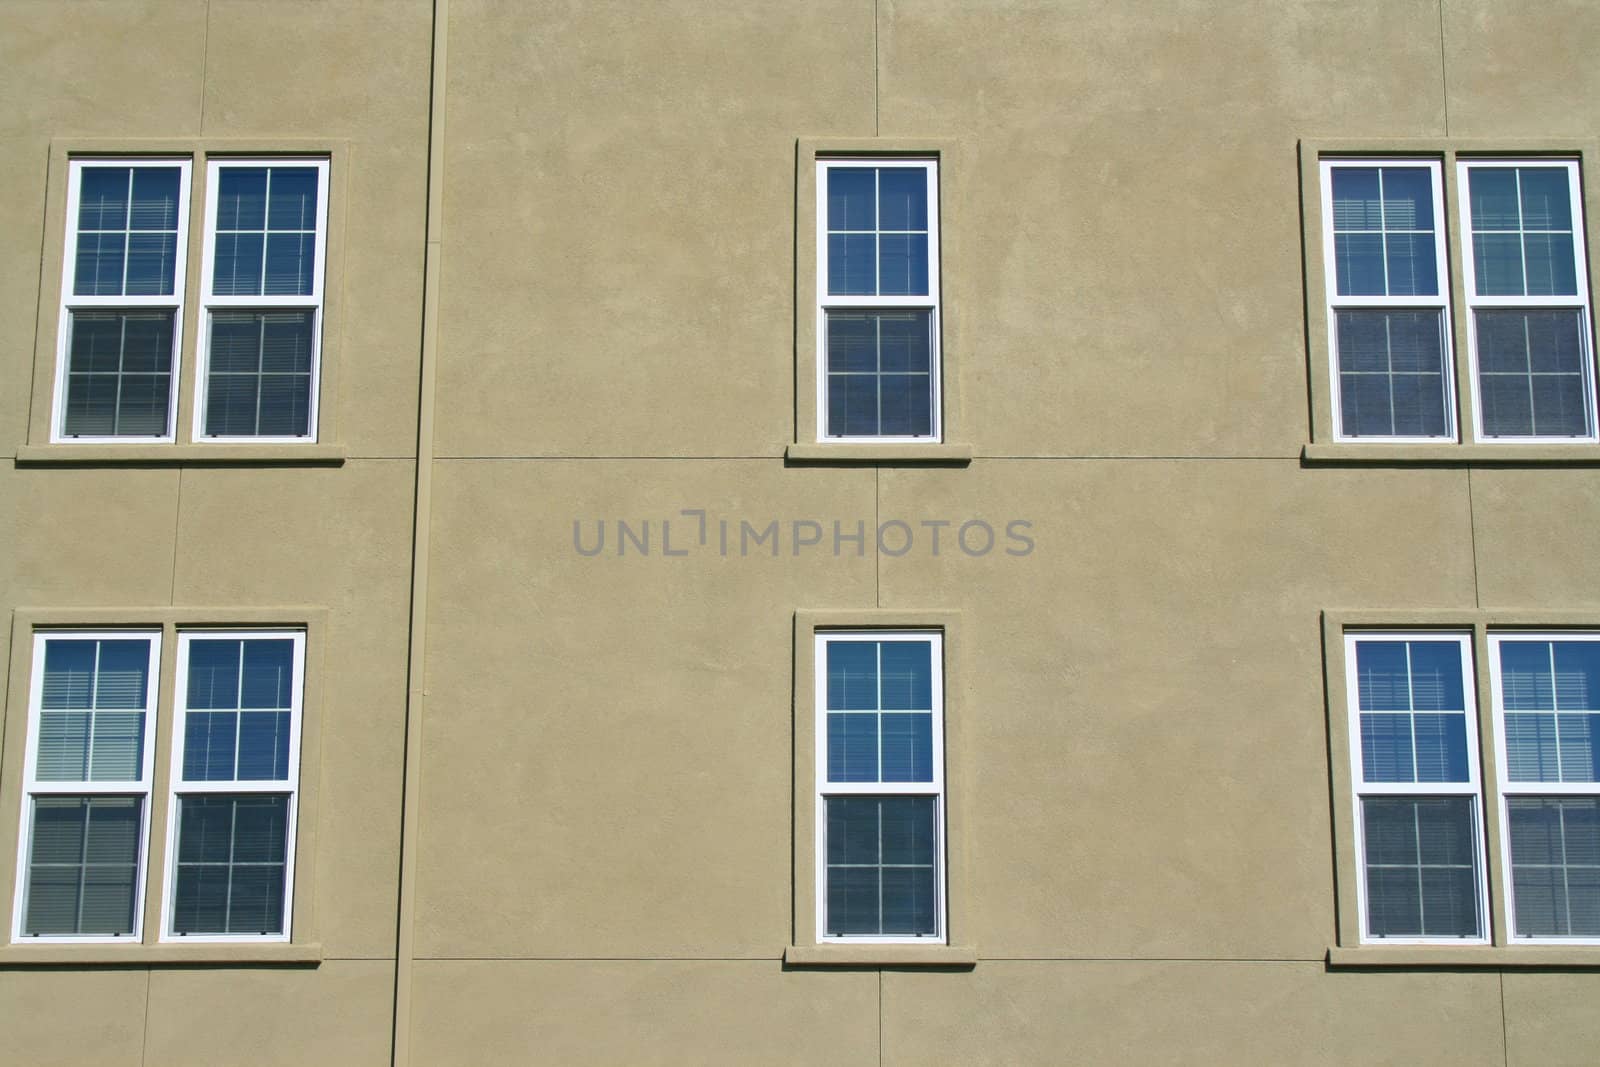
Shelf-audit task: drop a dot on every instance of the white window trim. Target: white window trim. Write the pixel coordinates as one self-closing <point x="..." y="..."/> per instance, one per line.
<point x="930" y="303"/>
<point x="32" y="787"/>
<point x="825" y="789"/>
<point x="210" y="302"/>
<point x="177" y="787"/>
<point x="1509" y="789"/>
<point x="1475" y="303"/>
<point x="71" y="303"/>
<point x="1361" y="789"/>
<point x="1337" y="303"/>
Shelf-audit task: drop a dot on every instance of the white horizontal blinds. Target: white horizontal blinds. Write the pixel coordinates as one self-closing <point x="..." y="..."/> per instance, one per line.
<point x="878" y="263"/>
<point x="1548" y="707"/>
<point x="87" y="784"/>
<point x="121" y="304"/>
<point x="1528" y="293"/>
<point x="264" y="296"/>
<point x="881" y="731"/>
<point x="1416" y="786"/>
<point x="1385" y="260"/>
<point x="238" y="769"/>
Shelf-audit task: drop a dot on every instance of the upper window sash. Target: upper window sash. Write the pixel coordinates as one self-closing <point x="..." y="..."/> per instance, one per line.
<point x="1557" y="706"/>
<point x="187" y="705"/>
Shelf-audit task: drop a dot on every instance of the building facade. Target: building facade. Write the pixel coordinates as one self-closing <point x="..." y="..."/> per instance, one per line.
<point x="868" y="531"/>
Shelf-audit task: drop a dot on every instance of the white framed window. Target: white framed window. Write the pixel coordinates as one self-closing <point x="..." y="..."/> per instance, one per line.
<point x="1418" y="812"/>
<point x="86" y="786"/>
<point x="235" y="786"/>
<point x="1527" y="295"/>
<point x="262" y="293"/>
<point x="880" y="787"/>
<point x="1546" y="690"/>
<point x="122" y="289"/>
<point x="1386" y="270"/>
<point x="878" y="330"/>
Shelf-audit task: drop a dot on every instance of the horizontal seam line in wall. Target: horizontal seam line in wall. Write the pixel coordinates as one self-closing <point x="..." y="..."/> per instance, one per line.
<point x="888" y="462"/>
<point x="1316" y="960"/>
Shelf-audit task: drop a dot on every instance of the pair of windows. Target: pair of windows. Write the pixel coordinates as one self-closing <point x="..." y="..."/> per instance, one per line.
<point x="125" y="297"/>
<point x="90" y="780"/>
<point x="1433" y="818"/>
<point x="878" y="330"/>
<point x="1387" y="247"/>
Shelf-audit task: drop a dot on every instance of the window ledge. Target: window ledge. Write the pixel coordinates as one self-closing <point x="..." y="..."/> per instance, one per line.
<point x="1492" y="956"/>
<point x="863" y="453"/>
<point x="143" y="955"/>
<point x="1355" y="453"/>
<point x="230" y="455"/>
<point x="844" y="955"/>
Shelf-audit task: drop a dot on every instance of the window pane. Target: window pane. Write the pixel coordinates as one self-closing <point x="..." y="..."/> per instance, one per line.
<point x="1356" y="201"/>
<point x="209" y="740"/>
<point x="63" y="751"/>
<point x="123" y="677"/>
<point x="231" y="864"/>
<point x="904" y="341"/>
<point x="241" y="198"/>
<point x="1551" y="267"/>
<point x="870" y="393"/>
<point x="103" y="198"/>
<point x="852" y="264"/>
<point x="1421" y="867"/>
<point x="1358" y="261"/>
<point x="122" y="247"/>
<point x="1492" y="192"/>
<point x="1436" y="676"/>
<point x="236" y="266"/>
<point x="1580" y="752"/>
<point x="852" y="747"/>
<point x="1497" y="261"/>
<point x="908" y="747"/>
<point x="852" y="343"/>
<point x="83" y="865"/>
<point x="259" y="376"/>
<point x="907" y="674"/>
<point x="1386" y="748"/>
<point x="1441" y="742"/>
<point x="1555" y="865"/>
<point x="850" y="198"/>
<point x="852" y="675"/>
<point x="291" y="264"/>
<point x="1546" y="199"/>
<point x="1531" y="372"/>
<point x="1412" y="268"/>
<point x="293" y="203"/>
<point x="268" y="673"/>
<point x="1383" y="680"/>
<point x="1577" y="675"/>
<point x="1407" y="198"/>
<point x="903" y="264"/>
<point x="1531" y="747"/>
<point x="118" y="753"/>
<point x="882" y="876"/>
<point x="119" y="373"/>
<point x="903" y="198"/>
<point x="213" y="673"/>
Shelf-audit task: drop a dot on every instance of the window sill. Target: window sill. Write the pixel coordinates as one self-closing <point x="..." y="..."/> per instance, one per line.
<point x="842" y="955"/>
<point x="860" y="453"/>
<point x="143" y="955"/>
<point x="1490" y="956"/>
<point x="1354" y="453"/>
<point x="192" y="455"/>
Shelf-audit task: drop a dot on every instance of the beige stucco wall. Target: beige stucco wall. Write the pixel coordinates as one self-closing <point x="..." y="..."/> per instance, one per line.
<point x="604" y="829"/>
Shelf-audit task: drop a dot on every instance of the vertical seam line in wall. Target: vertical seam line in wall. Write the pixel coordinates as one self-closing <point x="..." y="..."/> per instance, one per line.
<point x="422" y="511"/>
<point x="1472" y="530"/>
<point x="880" y="1016"/>
<point x="205" y="63"/>
<point x="144" y="1038"/>
<point x="177" y="530"/>
<point x="1505" y="1034"/>
<point x="877" y="556"/>
<point x="1444" y="74"/>
<point x="875" y="67"/>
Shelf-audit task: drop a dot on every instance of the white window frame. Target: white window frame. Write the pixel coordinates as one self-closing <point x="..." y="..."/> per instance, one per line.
<point x="825" y="789"/>
<point x="930" y="303"/>
<point x="32" y="787"/>
<point x="1509" y="789"/>
<point x="71" y="303"/>
<point x="177" y="787"/>
<point x="1361" y="789"/>
<point x="210" y="302"/>
<point x="1439" y="302"/>
<point x="1474" y="302"/>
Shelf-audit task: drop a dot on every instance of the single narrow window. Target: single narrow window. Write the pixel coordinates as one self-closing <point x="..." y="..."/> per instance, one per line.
<point x="86" y="788"/>
<point x="1388" y="309"/>
<point x="266" y="228"/>
<point x="1527" y="298"/>
<point x="880" y="787"/>
<point x="122" y="299"/>
<point x="878" y="299"/>
<point x="236" y="757"/>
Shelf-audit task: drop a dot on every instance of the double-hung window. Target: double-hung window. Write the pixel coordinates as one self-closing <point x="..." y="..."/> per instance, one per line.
<point x="1388" y="307"/>
<point x="878" y="300"/>
<point x="86" y="788"/>
<point x="880" y="787"/>
<point x="122" y="299"/>
<point x="1527" y="298"/>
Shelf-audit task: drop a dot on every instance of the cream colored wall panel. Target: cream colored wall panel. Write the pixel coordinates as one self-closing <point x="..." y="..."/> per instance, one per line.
<point x="481" y="1013"/>
<point x="357" y="69"/>
<point x="73" y="1018"/>
<point x="1550" y="1019"/>
<point x="338" y="539"/>
<point x="1132" y="234"/>
<point x="1124" y="1012"/>
<point x="606" y="750"/>
<point x="101" y="68"/>
<point x="22" y="175"/>
<point x="1521" y="69"/>
<point x="89" y="537"/>
<point x="336" y="1013"/>
<point x="619" y="220"/>
<point x="1146" y="736"/>
<point x="1538" y="535"/>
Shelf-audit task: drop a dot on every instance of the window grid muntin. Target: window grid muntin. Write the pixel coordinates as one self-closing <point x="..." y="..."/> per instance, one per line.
<point x="180" y="787"/>
<point x="211" y="301"/>
<point x="827" y="302"/>
<point x="1510" y="790"/>
<point x="71" y="302"/>
<point x="1476" y="303"/>
<point x="34" y="787"/>
<point x="1440" y="302"/>
<point x="1362" y="790"/>
<point x="826" y="789"/>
